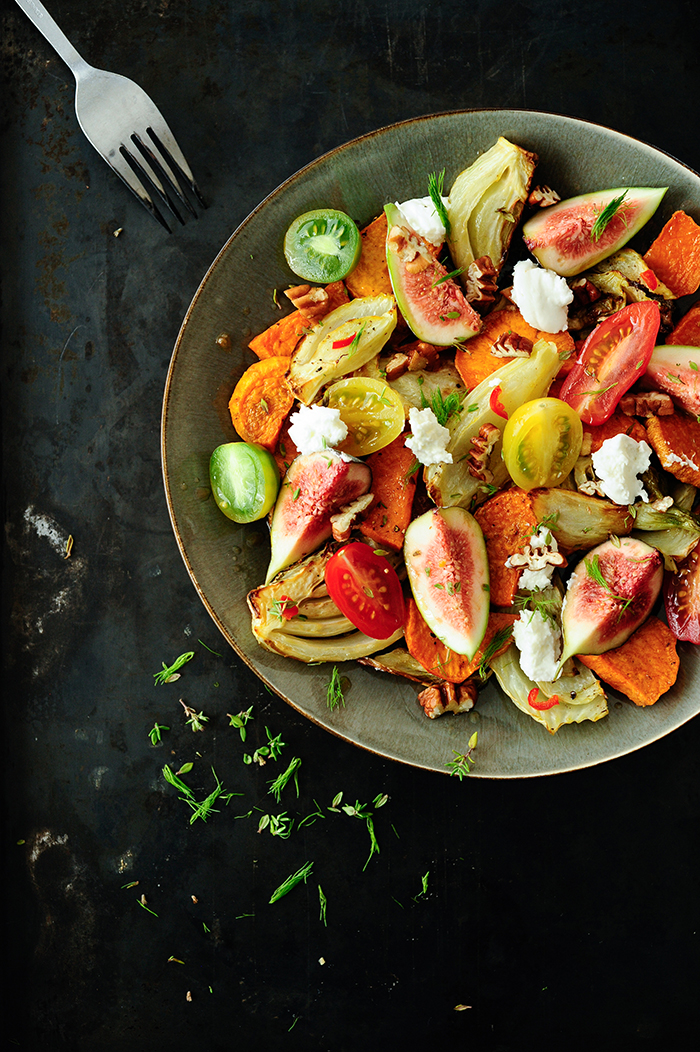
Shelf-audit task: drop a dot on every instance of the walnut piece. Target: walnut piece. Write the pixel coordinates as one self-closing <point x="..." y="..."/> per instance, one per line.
<point x="511" y="345"/>
<point x="478" y="456"/>
<point x="411" y="249"/>
<point x="420" y="355"/>
<point x="310" y="300"/>
<point x="342" y="521"/>
<point x="647" y="403"/>
<point x="584" y="291"/>
<point x="543" y="197"/>
<point x="448" y="697"/>
<point x="538" y="553"/>
<point x="396" y="366"/>
<point x="480" y="281"/>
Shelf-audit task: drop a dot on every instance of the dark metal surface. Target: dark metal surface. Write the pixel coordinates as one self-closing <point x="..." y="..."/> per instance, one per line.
<point x="561" y="910"/>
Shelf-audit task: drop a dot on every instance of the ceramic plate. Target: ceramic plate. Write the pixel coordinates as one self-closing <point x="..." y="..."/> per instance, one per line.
<point x="225" y="561"/>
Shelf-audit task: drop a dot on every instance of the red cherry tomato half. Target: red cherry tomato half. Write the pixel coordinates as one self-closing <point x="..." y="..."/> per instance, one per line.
<point x="366" y="588"/>
<point x="682" y="599"/>
<point x="613" y="357"/>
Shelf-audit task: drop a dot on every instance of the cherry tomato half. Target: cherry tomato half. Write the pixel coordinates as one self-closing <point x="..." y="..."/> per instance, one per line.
<point x="541" y="442"/>
<point x="322" y="245"/>
<point x="366" y="588"/>
<point x="682" y="599"/>
<point x="613" y="357"/>
<point x="371" y="410"/>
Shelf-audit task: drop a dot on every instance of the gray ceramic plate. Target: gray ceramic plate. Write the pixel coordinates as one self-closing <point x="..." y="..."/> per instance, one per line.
<point x="225" y="560"/>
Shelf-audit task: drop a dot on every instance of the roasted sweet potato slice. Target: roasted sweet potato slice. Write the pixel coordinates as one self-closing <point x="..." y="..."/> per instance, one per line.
<point x="475" y="360"/>
<point x="675" y="254"/>
<point x="644" y="667"/>
<point x="281" y="338"/>
<point x="261" y="401"/>
<point x="676" y="442"/>
<point x="507" y="522"/>
<point x="394" y="477"/>
<point x="371" y="275"/>
<point x="438" y="659"/>
<point x="618" y="424"/>
<point x="687" y="331"/>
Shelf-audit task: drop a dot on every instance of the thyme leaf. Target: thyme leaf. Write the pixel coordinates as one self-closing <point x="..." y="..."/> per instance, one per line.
<point x="463" y="762"/>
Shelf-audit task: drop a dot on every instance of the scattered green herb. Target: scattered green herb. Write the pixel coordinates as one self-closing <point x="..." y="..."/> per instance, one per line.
<point x="334" y="691"/>
<point x="291" y="882"/>
<point x="282" y="780"/>
<point x="214" y="652"/>
<point x="206" y="807"/>
<point x="323" y="902"/>
<point x="279" y="825"/>
<point x="154" y="734"/>
<point x="171" y="672"/>
<point x="463" y="762"/>
<point x="240" y="721"/>
<point x="494" y="646"/>
<point x="594" y="571"/>
<point x="195" y="720"/>
<point x="447" y="277"/>
<point x="142" y="904"/>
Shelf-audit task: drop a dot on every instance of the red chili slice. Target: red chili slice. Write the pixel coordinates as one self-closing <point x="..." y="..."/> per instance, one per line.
<point x="338" y="344"/>
<point x="650" y="279"/>
<point x="496" y="404"/>
<point x="541" y="706"/>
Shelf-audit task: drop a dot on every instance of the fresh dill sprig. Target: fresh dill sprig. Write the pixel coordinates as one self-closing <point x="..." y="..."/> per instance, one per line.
<point x="494" y="646"/>
<point x="436" y="182"/>
<point x="463" y="762"/>
<point x="171" y="672"/>
<point x="154" y="733"/>
<point x="594" y="571"/>
<point x="173" y="780"/>
<point x="291" y="882"/>
<point x="323" y="902"/>
<point x="279" y="783"/>
<point x="142" y="903"/>
<point x="214" y="652"/>
<point x="546" y="606"/>
<point x="334" y="691"/>
<point x="362" y="811"/>
<point x="206" y="807"/>
<point x="606" y="215"/>
<point x="442" y="407"/>
<point x="424" y="887"/>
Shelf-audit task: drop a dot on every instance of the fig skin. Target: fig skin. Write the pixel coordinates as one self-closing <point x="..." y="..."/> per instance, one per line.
<point x="598" y="617"/>
<point x="316" y="486"/>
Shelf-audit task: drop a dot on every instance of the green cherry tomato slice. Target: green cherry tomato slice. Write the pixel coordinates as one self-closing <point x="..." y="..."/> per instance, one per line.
<point x="541" y="442"/>
<point x="371" y="410"/>
<point x="244" y="480"/>
<point x="323" y="245"/>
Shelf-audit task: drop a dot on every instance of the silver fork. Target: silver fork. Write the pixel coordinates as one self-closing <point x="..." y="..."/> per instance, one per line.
<point x="124" y="125"/>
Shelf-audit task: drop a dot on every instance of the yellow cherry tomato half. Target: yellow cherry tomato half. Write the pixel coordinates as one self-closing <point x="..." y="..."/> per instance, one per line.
<point x="541" y="442"/>
<point x="371" y="410"/>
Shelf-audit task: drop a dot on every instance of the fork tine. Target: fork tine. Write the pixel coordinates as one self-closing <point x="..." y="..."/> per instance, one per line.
<point x="147" y="177"/>
<point x="119" y="165"/>
<point x="164" y="140"/>
<point x="162" y="171"/>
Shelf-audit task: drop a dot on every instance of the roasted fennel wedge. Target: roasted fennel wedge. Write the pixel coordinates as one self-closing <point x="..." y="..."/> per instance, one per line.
<point x="293" y="616"/>
<point x="590" y="702"/>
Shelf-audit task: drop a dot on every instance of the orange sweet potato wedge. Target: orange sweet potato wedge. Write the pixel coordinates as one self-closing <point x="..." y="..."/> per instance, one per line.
<point x="617" y="424"/>
<point x="371" y="275"/>
<point x="676" y="442"/>
<point x="261" y="401"/>
<point x="438" y="659"/>
<point x="507" y="521"/>
<point x="644" y="667"/>
<point x="474" y="359"/>
<point x="675" y="254"/>
<point x="687" y="331"/>
<point x="282" y="337"/>
<point x="394" y="478"/>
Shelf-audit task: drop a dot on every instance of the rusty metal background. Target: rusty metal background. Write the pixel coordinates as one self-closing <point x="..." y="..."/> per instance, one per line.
<point x="565" y="909"/>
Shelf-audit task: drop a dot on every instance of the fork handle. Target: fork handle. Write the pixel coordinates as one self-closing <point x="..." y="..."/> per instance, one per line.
<point x="55" y="36"/>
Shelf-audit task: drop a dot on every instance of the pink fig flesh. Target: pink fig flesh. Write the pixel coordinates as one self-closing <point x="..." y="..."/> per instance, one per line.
<point x="676" y="371"/>
<point x="448" y="570"/>
<point x="610" y="593"/>
<point x="316" y="486"/>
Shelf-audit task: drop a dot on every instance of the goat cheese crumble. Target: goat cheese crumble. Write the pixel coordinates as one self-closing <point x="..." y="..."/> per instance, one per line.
<point x="428" y="442"/>
<point x="617" y="463"/>
<point x="541" y="296"/>
<point x="539" y="641"/>
<point x="314" y="428"/>
<point x="421" y="216"/>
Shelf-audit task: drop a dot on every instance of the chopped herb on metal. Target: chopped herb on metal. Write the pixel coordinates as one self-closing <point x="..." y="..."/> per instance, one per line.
<point x="424" y="887"/>
<point x="282" y="780"/>
<point x="279" y="825"/>
<point x="171" y="672"/>
<point x="240" y="721"/>
<point x="214" y="652"/>
<point x="175" y="781"/>
<point x="154" y="734"/>
<point x="606" y="215"/>
<point x="195" y="720"/>
<point x="142" y="904"/>
<point x="323" y="902"/>
<point x="291" y="882"/>
<point x="206" y="807"/>
<point x="463" y="762"/>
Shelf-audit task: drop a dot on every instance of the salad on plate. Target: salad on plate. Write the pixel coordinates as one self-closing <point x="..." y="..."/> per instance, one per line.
<point x="476" y="438"/>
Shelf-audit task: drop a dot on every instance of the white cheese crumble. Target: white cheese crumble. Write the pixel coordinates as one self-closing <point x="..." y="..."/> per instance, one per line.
<point x="539" y="643"/>
<point x="535" y="580"/>
<point x="421" y="216"/>
<point x="429" y="439"/>
<point x="541" y="296"/>
<point x="617" y="463"/>
<point x="314" y="428"/>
